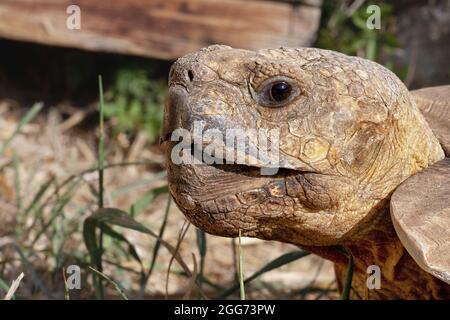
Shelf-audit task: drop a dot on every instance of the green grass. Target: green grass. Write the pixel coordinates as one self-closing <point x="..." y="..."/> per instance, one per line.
<point x="30" y="115"/>
<point x="241" y="269"/>
<point x="272" y="265"/>
<point x="101" y="163"/>
<point x="135" y="102"/>
<point x="202" y="249"/>
<point x="156" y="248"/>
<point x="345" y="30"/>
<point x="114" y="283"/>
<point x="345" y="295"/>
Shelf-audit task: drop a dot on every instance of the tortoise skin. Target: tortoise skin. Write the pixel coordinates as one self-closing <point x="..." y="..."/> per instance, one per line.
<point x="348" y="137"/>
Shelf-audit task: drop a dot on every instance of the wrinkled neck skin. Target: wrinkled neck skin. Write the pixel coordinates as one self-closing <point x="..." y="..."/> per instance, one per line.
<point x="401" y="277"/>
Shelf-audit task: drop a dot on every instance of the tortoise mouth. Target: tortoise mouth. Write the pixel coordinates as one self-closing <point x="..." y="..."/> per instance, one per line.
<point x="255" y="171"/>
<point x="251" y="170"/>
<point x="225" y="165"/>
<point x="224" y="198"/>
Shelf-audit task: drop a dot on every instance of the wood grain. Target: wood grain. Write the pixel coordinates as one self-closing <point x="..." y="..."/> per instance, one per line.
<point x="163" y="29"/>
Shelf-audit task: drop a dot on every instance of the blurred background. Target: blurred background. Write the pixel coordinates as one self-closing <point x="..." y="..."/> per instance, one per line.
<point x="51" y="144"/>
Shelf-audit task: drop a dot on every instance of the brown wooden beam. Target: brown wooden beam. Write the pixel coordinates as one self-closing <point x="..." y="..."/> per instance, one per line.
<point x="164" y="29"/>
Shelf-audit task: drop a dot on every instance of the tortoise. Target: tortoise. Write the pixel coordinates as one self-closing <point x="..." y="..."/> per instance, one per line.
<point x="360" y="161"/>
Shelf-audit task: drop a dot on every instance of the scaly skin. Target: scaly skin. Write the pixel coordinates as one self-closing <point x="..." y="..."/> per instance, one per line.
<point x="348" y="137"/>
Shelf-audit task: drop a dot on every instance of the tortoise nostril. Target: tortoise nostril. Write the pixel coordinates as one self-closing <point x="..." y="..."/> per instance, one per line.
<point x="190" y="75"/>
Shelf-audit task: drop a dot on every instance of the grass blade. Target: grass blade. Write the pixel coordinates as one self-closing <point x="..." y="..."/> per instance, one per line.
<point x="201" y="245"/>
<point x="33" y="204"/>
<point x="34" y="276"/>
<point x="114" y="283"/>
<point x="349" y="276"/>
<point x="131" y="249"/>
<point x="101" y="164"/>
<point x="137" y="184"/>
<point x="18" y="189"/>
<point x="274" y="264"/>
<point x="14" y="286"/>
<point x="241" y="271"/>
<point x="147" y="198"/>
<point x="116" y="217"/>
<point x="183" y="231"/>
<point x="30" y="115"/>
<point x="4" y="286"/>
<point x="235" y="260"/>
<point x="80" y="175"/>
<point x="157" y="246"/>
<point x="101" y="145"/>
<point x="56" y="212"/>
<point x="192" y="281"/>
<point x="66" y="289"/>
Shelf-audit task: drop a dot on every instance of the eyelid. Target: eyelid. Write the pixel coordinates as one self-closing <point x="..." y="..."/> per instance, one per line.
<point x="261" y="84"/>
<point x="261" y="92"/>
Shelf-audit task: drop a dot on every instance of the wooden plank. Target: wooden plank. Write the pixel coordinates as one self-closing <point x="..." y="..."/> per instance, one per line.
<point x="163" y="29"/>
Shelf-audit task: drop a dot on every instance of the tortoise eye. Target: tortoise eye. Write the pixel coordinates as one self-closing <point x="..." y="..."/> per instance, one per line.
<point x="277" y="92"/>
<point x="280" y="91"/>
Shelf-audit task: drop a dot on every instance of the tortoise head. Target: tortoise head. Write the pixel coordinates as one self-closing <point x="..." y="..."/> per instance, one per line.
<point x="296" y="145"/>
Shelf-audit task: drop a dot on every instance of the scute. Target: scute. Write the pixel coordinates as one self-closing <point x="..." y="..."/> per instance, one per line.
<point x="420" y="212"/>
<point x="434" y="103"/>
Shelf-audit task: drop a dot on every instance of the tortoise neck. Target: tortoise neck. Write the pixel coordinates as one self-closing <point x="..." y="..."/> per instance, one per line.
<point x="401" y="277"/>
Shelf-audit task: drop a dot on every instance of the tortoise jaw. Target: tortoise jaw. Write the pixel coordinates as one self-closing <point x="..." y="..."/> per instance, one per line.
<point x="255" y="163"/>
<point x="223" y="198"/>
<point x="255" y="170"/>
